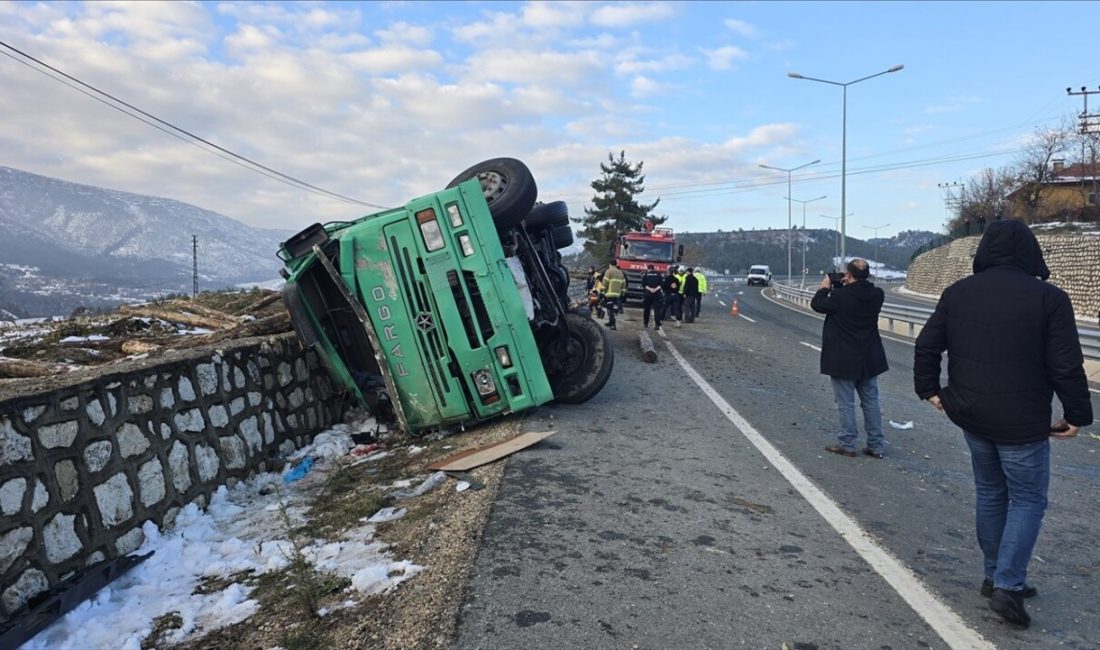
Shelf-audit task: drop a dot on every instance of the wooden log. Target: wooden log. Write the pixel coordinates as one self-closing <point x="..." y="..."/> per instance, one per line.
<point x="195" y="308"/>
<point x="649" y="354"/>
<point x="276" y="324"/>
<point x="20" y="368"/>
<point x="189" y="318"/>
<point x="274" y="296"/>
<point x="138" y="346"/>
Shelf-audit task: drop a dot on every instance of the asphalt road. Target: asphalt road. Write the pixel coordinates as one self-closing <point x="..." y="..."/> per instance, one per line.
<point x="651" y="520"/>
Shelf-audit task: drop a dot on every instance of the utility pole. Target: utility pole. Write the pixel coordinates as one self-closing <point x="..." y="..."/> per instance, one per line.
<point x="1089" y="127"/>
<point x="951" y="202"/>
<point x="194" y="265"/>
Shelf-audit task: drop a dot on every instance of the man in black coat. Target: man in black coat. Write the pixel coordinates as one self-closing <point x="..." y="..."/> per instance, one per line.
<point x="852" y="355"/>
<point x="1012" y="344"/>
<point x="691" y="295"/>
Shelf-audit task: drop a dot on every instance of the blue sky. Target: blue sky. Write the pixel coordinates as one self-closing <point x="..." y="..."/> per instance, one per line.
<point x="386" y="101"/>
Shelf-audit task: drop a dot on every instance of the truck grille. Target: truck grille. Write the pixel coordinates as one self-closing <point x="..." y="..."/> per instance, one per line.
<point x="427" y="322"/>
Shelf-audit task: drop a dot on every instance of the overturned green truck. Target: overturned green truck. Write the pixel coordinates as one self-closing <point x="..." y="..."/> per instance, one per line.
<point x="452" y="309"/>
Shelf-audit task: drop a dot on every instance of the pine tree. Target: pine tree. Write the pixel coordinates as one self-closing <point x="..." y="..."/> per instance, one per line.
<point x="616" y="207"/>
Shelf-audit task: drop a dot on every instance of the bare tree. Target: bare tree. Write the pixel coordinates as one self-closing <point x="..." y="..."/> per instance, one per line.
<point x="1033" y="169"/>
<point x="983" y="198"/>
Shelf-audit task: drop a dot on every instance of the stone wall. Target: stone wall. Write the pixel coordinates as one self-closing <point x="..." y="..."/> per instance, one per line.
<point x="84" y="463"/>
<point x="1074" y="262"/>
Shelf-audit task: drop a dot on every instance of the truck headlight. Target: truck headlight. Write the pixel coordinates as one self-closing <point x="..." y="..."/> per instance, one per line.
<point x="429" y="228"/>
<point x="455" y="215"/>
<point x="503" y="357"/>
<point x="466" y="244"/>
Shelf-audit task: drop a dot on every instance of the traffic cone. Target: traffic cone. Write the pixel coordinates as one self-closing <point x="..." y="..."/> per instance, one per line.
<point x="735" y="311"/>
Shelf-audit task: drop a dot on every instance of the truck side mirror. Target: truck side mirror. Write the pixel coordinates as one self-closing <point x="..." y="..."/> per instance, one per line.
<point x="680" y="253"/>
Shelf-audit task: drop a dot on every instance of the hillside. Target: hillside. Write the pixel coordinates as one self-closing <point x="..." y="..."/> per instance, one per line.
<point x="739" y="249"/>
<point x="64" y="245"/>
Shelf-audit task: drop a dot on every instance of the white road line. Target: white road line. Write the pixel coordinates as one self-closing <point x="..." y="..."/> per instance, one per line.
<point x="812" y="347"/>
<point x="1094" y="390"/>
<point x="747" y="318"/>
<point x="721" y="303"/>
<point x="951" y="628"/>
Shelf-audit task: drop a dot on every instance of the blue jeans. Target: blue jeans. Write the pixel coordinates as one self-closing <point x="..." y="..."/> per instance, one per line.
<point x="845" y="392"/>
<point x="1010" y="484"/>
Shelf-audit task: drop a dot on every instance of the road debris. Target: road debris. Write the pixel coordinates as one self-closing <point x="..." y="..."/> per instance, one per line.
<point x="902" y="425"/>
<point x="427" y="485"/>
<point x="472" y="458"/>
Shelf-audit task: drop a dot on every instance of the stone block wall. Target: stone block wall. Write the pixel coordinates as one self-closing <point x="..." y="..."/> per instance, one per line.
<point x="1074" y="262"/>
<point x="84" y="463"/>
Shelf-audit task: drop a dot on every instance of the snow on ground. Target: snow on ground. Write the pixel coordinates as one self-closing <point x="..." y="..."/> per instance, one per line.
<point x="242" y="530"/>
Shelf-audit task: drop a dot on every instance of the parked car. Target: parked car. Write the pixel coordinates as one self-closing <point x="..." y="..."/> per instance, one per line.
<point x="759" y="274"/>
<point x="451" y="309"/>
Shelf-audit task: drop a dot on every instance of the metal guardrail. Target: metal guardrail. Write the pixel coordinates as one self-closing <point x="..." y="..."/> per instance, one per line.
<point x="914" y="317"/>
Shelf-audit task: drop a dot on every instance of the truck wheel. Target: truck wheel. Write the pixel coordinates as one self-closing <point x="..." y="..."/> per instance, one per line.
<point x="562" y="236"/>
<point x="585" y="361"/>
<point x="508" y="186"/>
<point x="547" y="215"/>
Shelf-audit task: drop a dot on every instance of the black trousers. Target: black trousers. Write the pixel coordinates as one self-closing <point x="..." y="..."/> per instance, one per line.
<point x="652" y="302"/>
<point x="612" y="305"/>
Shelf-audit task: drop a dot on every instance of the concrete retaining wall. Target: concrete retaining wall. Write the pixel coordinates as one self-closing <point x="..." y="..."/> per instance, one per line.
<point x="1074" y="262"/>
<point x="85" y="463"/>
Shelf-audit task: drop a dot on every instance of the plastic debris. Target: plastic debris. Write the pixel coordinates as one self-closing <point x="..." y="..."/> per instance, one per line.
<point x="902" y="425"/>
<point x="462" y="486"/>
<point x="386" y="514"/>
<point x="427" y="485"/>
<point x="363" y="450"/>
<point x="299" y="470"/>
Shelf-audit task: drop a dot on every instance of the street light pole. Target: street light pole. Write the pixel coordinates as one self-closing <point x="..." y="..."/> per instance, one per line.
<point x="844" y="143"/>
<point x="876" y="229"/>
<point x="836" y="259"/>
<point x="792" y="169"/>
<point x="804" y="233"/>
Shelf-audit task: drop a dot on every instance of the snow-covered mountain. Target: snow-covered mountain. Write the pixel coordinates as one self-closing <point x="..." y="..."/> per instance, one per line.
<point x="70" y="236"/>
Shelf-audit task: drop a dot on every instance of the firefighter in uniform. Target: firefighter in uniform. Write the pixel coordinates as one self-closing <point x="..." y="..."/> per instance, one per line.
<point x="613" y="281"/>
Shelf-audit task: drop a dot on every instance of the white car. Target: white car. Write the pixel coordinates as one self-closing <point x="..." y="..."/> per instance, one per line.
<point x="761" y="275"/>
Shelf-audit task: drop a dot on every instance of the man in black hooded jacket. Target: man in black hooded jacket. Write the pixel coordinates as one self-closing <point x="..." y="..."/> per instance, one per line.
<point x="1012" y="344"/>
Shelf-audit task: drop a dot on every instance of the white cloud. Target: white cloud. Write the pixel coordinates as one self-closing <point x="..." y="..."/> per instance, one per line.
<point x="544" y="67"/>
<point x="675" y="61"/>
<point x="392" y="59"/>
<point x="552" y="15"/>
<point x="723" y="57"/>
<point x="740" y="27"/>
<point x="624" y="14"/>
<point x="642" y="86"/>
<point x="405" y="34"/>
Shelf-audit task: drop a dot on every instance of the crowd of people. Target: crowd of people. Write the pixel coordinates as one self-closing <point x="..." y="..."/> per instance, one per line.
<point x="676" y="295"/>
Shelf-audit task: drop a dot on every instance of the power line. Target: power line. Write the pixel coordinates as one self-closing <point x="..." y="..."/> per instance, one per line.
<point x="255" y="166"/>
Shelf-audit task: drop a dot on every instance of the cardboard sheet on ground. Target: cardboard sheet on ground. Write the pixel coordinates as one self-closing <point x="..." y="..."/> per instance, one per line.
<point x="472" y="458"/>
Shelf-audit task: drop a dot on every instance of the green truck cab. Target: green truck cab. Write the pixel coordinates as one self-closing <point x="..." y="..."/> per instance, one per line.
<point x="451" y="309"/>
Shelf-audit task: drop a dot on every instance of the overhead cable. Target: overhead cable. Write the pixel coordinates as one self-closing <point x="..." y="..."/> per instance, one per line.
<point x="250" y="164"/>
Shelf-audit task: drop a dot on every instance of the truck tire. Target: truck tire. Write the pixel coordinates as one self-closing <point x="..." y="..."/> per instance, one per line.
<point x="508" y="186"/>
<point x="547" y="215"/>
<point x="585" y="362"/>
<point x="562" y="236"/>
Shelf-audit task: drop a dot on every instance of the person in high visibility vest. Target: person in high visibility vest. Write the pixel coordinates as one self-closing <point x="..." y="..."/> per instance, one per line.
<point x="614" y="281"/>
<point x="702" y="279"/>
<point x="678" y="307"/>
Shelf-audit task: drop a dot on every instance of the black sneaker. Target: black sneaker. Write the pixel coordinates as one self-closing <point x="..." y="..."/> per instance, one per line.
<point x="987" y="589"/>
<point x="1010" y="606"/>
<point x="867" y="451"/>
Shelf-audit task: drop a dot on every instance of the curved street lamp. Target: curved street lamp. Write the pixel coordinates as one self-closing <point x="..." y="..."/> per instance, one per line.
<point x="876" y="229"/>
<point x="844" y="140"/>
<point x="804" y="233"/>
<point x="792" y="169"/>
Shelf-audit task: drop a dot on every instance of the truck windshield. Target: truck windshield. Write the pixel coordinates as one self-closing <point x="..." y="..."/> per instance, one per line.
<point x="647" y="250"/>
<point x="756" y="270"/>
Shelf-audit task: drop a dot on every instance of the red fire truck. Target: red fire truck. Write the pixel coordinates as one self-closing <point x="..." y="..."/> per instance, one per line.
<point x="633" y="251"/>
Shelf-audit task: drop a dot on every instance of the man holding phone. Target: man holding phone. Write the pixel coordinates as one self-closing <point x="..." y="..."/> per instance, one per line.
<point x="1012" y="344"/>
<point x="852" y="354"/>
